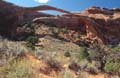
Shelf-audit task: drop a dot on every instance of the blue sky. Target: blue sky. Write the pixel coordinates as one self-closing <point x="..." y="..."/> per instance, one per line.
<point x="70" y="5"/>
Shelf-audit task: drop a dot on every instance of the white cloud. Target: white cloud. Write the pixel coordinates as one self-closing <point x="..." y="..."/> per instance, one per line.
<point x="42" y="1"/>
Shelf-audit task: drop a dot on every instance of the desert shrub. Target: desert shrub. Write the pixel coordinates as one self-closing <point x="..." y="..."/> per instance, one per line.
<point x="17" y="69"/>
<point x="67" y="54"/>
<point x="74" y="66"/>
<point x="54" y="65"/>
<point x="92" y="54"/>
<point x="80" y="56"/>
<point x="99" y="53"/>
<point x="64" y="30"/>
<point x="54" y="30"/>
<point x="82" y="74"/>
<point x="115" y="77"/>
<point x="106" y="58"/>
<point x="51" y="65"/>
<point x="31" y="41"/>
<point x="11" y="49"/>
<point x="116" y="48"/>
<point x="39" y="53"/>
<point x="68" y="74"/>
<point x="112" y="66"/>
<point x="83" y="54"/>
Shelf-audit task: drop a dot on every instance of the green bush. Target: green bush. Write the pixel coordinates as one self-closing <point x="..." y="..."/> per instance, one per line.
<point x="17" y="69"/>
<point x="116" y="48"/>
<point x="10" y="49"/>
<point x="64" y="30"/>
<point x="68" y="74"/>
<point x="112" y="66"/>
<point x="31" y="41"/>
<point x="67" y="54"/>
<point x="115" y="77"/>
<point x="83" y="54"/>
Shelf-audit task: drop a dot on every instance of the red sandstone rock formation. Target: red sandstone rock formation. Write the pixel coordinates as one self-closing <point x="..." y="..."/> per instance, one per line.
<point x="95" y="21"/>
<point x="101" y="22"/>
<point x="12" y="15"/>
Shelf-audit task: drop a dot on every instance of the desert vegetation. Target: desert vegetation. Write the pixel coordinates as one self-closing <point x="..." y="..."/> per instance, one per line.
<point x="72" y="45"/>
<point x="61" y="57"/>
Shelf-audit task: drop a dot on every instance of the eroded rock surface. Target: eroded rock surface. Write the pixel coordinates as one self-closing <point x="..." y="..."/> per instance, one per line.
<point x="102" y="23"/>
<point x="95" y="21"/>
<point x="13" y="15"/>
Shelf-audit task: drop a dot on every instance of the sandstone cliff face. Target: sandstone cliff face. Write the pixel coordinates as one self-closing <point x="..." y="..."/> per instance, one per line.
<point x="100" y="22"/>
<point x="109" y="24"/>
<point x="13" y="15"/>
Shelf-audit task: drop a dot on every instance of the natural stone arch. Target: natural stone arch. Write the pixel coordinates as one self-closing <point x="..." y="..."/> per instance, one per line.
<point x="13" y="15"/>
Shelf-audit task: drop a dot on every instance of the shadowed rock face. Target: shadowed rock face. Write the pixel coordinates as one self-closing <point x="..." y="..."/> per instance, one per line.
<point x="100" y="22"/>
<point x="12" y="15"/>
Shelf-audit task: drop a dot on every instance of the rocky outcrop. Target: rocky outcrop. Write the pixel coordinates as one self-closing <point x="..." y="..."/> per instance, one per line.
<point x="100" y="22"/>
<point x="30" y="16"/>
<point x="13" y="15"/>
